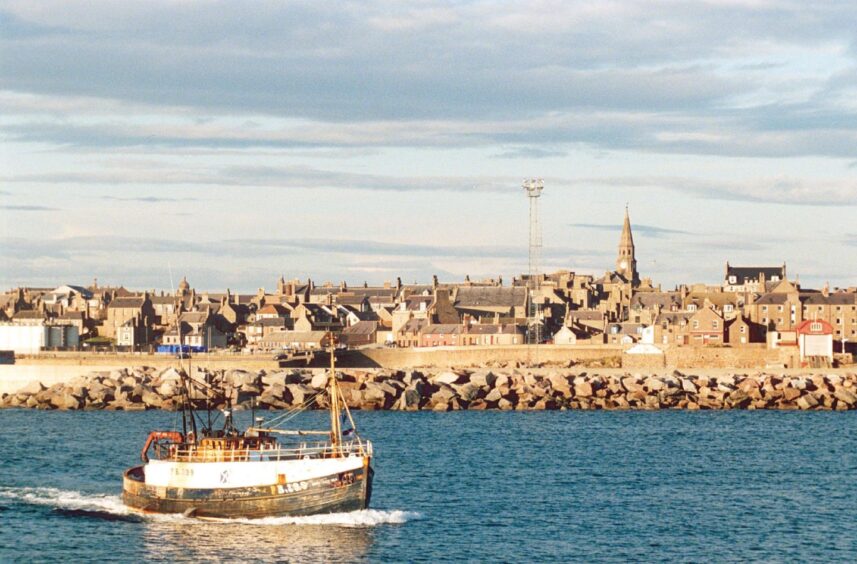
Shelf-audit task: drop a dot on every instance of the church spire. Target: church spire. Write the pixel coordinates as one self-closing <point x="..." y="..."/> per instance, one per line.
<point x="626" y="261"/>
<point x="627" y="239"/>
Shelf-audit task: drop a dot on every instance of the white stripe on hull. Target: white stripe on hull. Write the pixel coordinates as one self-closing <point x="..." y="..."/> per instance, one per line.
<point x="205" y="475"/>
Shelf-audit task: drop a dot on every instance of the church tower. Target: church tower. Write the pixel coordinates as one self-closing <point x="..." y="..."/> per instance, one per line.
<point x="626" y="263"/>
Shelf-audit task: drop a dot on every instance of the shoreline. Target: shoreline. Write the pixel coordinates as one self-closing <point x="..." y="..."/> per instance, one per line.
<point x="141" y="388"/>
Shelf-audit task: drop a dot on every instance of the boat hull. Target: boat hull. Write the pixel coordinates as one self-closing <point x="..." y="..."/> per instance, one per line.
<point x="341" y="492"/>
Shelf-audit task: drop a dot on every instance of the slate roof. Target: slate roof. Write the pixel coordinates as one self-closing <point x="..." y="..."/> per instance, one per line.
<point x="772" y="299"/>
<point x="490" y="296"/>
<point x="442" y="329"/>
<point x="361" y="328"/>
<point x="645" y="300"/>
<point x="494" y="329"/>
<point x="744" y="274"/>
<point x="133" y="303"/>
<point x="29" y="314"/>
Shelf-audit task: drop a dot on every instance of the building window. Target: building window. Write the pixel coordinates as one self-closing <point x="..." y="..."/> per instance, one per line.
<point x="732" y="279"/>
<point x="764" y="308"/>
<point x="815" y="326"/>
<point x="743" y="329"/>
<point x="714" y="324"/>
<point x="728" y="308"/>
<point x="779" y="308"/>
<point x="695" y="324"/>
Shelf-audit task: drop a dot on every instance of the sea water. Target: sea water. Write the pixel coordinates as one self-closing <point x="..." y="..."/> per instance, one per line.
<point x="474" y="486"/>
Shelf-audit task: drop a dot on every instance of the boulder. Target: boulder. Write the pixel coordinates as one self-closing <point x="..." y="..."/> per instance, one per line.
<point x="582" y="389"/>
<point x="845" y="396"/>
<point x="807" y="401"/>
<point x="274" y="379"/>
<point x="483" y="378"/>
<point x="32" y="388"/>
<point x="653" y="384"/>
<point x="631" y="384"/>
<point x="443" y="395"/>
<point x="300" y="393"/>
<point x="66" y="401"/>
<point x="410" y="400"/>
<point x="319" y="380"/>
<point x="470" y="392"/>
<point x="152" y="399"/>
<point x="448" y="378"/>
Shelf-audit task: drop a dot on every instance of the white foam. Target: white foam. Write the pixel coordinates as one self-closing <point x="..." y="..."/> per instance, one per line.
<point x="362" y="518"/>
<point x="112" y="504"/>
<point x="64" y="499"/>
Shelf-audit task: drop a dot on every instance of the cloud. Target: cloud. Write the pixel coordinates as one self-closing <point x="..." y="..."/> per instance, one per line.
<point x="530" y="153"/>
<point x="72" y="246"/>
<point x="782" y="190"/>
<point x="148" y="199"/>
<point x="648" y="230"/>
<point x="674" y="78"/>
<point x="268" y="176"/>
<point x="27" y="208"/>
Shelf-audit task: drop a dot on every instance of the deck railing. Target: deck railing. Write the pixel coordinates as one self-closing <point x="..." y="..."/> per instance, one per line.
<point x="193" y="453"/>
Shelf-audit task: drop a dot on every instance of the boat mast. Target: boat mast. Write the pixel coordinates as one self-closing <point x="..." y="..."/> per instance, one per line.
<point x="335" y="423"/>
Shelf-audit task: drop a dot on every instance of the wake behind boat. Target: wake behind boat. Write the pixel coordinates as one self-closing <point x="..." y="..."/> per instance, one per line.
<point x="264" y="471"/>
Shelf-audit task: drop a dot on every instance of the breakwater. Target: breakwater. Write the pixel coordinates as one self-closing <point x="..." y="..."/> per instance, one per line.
<point x="143" y="388"/>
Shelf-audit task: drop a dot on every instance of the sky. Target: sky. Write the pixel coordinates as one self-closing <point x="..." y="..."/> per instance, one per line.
<point x="235" y="142"/>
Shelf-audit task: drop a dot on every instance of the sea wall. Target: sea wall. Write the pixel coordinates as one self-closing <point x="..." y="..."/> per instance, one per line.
<point x="444" y="390"/>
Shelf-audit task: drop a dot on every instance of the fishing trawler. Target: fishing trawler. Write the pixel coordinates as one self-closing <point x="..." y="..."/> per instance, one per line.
<point x="263" y="471"/>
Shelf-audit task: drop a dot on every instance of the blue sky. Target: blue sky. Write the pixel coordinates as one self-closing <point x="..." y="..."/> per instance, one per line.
<point x="234" y="142"/>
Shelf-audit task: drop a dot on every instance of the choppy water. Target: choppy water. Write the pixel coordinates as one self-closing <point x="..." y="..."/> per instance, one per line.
<point x="479" y="486"/>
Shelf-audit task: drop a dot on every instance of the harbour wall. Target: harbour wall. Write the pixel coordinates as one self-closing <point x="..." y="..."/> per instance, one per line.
<point x="447" y="390"/>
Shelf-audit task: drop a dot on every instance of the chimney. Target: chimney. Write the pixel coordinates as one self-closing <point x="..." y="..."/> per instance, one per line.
<point x="825" y="291"/>
<point x="434" y="281"/>
<point x="343" y="286"/>
<point x="398" y="283"/>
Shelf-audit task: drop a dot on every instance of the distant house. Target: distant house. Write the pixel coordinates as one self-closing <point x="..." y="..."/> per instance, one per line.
<point x="441" y="335"/>
<point x="68" y="296"/>
<point x="257" y="331"/>
<point x="751" y="278"/>
<point x="485" y="334"/>
<point x="815" y="339"/>
<point x="672" y="328"/>
<point x="315" y="317"/>
<point x="706" y="327"/>
<point x="565" y="336"/>
<point x="409" y="334"/>
<point x="742" y="331"/>
<point x="359" y="334"/>
<point x="295" y="340"/>
<point x="272" y="311"/>
<point x="196" y="329"/>
<point x="624" y="333"/>
<point x="165" y="308"/>
<point x="120" y="310"/>
<point x="492" y="302"/>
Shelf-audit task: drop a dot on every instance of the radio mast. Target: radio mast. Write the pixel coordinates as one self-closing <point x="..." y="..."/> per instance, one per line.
<point x="533" y="188"/>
